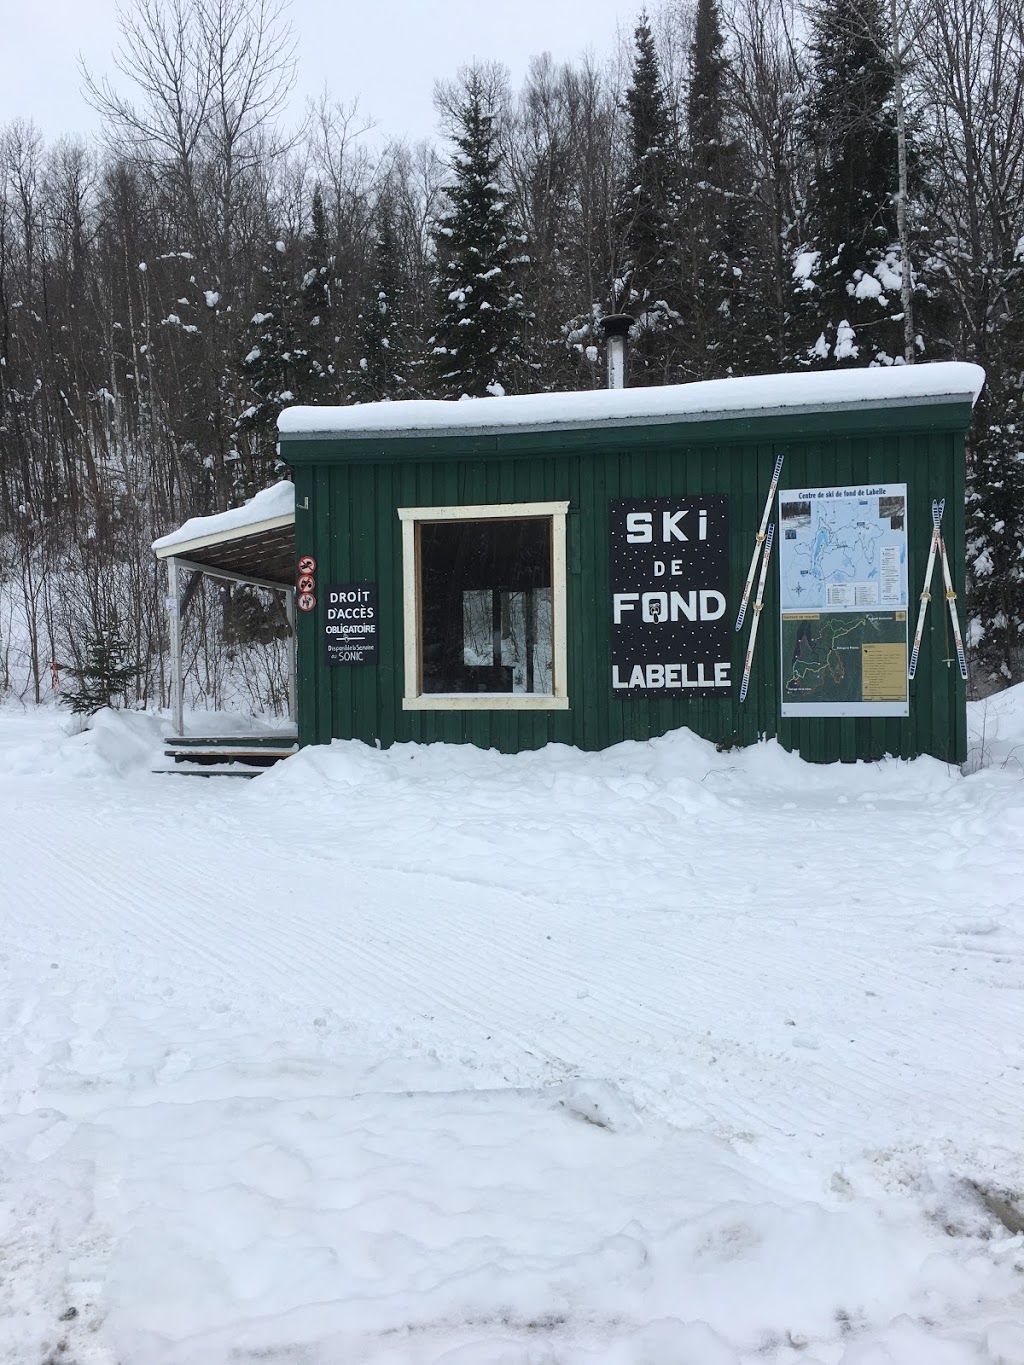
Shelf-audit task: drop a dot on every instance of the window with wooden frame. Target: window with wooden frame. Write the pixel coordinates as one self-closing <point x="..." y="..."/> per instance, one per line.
<point x="484" y="607"/>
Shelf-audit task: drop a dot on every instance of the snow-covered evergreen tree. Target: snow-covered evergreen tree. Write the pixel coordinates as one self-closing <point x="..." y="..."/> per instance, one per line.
<point x="105" y="675"/>
<point x="478" y="342"/>
<point x="995" y="499"/>
<point x="381" y="367"/>
<point x="847" y="276"/>
<point x="553" y="127"/>
<point x="723" y="309"/>
<point x="995" y="538"/>
<point x="314" y="369"/>
<point x="647" y="213"/>
<point x="271" y="364"/>
<point x="290" y="342"/>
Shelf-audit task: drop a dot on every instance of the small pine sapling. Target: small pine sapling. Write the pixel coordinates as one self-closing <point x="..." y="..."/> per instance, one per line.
<point x="105" y="675"/>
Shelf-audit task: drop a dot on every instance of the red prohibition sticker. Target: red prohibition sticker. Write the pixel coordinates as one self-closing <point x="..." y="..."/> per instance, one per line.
<point x="307" y="582"/>
<point x="306" y="601"/>
<point x="307" y="564"/>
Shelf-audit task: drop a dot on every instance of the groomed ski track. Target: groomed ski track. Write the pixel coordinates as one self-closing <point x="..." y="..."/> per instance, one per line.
<point x="821" y="968"/>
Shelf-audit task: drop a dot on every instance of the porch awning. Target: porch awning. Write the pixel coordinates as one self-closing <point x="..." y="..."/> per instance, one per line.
<point x="254" y="542"/>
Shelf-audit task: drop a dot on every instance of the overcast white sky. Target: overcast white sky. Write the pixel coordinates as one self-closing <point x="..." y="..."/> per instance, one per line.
<point x="389" y="52"/>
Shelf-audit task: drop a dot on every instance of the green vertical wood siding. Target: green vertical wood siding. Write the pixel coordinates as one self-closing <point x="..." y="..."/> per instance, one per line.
<point x="348" y="492"/>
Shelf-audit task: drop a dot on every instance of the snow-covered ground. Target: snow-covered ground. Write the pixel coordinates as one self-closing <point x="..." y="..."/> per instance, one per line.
<point x="650" y="1057"/>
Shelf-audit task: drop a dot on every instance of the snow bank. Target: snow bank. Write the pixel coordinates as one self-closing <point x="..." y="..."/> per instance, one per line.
<point x="899" y="386"/>
<point x="268" y="505"/>
<point x="679" y="767"/>
<point x="58" y="744"/>
<point x="53" y="742"/>
<point x="995" y="729"/>
<point x="630" y="824"/>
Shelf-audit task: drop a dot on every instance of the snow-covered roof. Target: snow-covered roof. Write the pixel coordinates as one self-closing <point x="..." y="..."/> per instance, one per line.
<point x="761" y="395"/>
<point x="271" y="509"/>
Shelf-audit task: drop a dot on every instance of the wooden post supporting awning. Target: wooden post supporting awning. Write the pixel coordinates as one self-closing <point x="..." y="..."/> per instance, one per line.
<point x="253" y="544"/>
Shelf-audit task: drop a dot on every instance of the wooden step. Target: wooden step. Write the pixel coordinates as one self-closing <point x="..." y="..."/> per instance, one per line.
<point x="208" y="770"/>
<point x="228" y="755"/>
<point x="278" y="741"/>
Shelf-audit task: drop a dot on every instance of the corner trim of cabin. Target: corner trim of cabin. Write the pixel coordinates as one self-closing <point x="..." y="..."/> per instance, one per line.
<point x="416" y="700"/>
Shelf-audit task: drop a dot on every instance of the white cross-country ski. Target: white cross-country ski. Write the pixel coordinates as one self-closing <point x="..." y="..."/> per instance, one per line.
<point x="758" y="607"/>
<point x="961" y="657"/>
<point x="758" y="543"/>
<point x="926" y="591"/>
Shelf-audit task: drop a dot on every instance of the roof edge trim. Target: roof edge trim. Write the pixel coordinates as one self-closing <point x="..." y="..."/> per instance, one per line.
<point x="180" y="549"/>
<point x="607" y="423"/>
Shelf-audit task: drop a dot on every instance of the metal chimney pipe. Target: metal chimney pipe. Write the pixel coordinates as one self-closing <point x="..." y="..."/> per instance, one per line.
<point x="616" y="331"/>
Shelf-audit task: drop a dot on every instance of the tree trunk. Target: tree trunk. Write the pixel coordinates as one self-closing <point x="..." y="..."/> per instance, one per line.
<point x="906" y="274"/>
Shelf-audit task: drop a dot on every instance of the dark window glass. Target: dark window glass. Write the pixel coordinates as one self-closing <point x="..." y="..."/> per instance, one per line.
<point x="485" y="606"/>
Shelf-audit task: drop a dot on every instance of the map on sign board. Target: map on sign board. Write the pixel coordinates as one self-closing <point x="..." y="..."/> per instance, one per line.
<point x="842" y="552"/>
<point x="843" y="594"/>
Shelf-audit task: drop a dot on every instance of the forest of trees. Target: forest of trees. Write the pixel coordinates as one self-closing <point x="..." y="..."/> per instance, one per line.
<point x="763" y="186"/>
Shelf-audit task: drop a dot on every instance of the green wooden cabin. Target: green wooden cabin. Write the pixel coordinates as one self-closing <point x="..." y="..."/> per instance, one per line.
<point x="568" y="568"/>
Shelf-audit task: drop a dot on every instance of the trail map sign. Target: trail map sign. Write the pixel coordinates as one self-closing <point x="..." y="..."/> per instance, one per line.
<point x="350" y="627"/>
<point x="669" y="561"/>
<point x="843" y="599"/>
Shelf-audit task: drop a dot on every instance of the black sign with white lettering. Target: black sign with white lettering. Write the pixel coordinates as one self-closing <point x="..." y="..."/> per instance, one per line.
<point x="350" y="628"/>
<point x="670" y="633"/>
